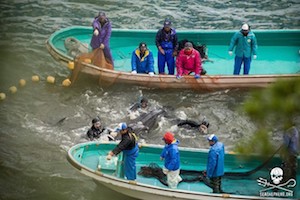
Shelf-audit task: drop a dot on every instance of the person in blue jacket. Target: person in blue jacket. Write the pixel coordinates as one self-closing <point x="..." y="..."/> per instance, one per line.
<point x="170" y="155"/>
<point x="245" y="45"/>
<point x="215" y="163"/>
<point x="167" y="45"/>
<point x="142" y="60"/>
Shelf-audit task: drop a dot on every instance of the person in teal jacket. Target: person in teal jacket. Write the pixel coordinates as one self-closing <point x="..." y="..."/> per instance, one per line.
<point x="245" y="45"/>
<point x="142" y="60"/>
<point x="215" y="163"/>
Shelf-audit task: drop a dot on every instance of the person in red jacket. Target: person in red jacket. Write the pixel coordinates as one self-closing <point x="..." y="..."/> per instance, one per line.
<point x="188" y="61"/>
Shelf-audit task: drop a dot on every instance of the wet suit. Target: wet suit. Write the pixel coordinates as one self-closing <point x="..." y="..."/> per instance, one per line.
<point x="94" y="132"/>
<point x="192" y="124"/>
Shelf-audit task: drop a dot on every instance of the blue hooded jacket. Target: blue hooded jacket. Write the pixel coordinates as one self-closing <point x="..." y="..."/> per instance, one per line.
<point x="245" y="45"/>
<point x="215" y="162"/>
<point x="171" y="155"/>
<point x="144" y="64"/>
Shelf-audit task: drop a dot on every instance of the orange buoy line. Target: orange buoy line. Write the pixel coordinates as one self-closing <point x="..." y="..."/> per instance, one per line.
<point x="35" y="78"/>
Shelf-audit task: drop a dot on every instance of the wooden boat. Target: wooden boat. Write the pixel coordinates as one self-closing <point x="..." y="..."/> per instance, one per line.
<point x="278" y="58"/>
<point x="90" y="159"/>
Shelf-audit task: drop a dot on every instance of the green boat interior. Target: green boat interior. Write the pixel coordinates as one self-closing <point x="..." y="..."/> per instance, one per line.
<point x="278" y="50"/>
<point x="88" y="155"/>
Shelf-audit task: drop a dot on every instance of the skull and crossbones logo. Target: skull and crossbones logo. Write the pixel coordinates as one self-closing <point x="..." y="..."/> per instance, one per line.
<point x="276" y="175"/>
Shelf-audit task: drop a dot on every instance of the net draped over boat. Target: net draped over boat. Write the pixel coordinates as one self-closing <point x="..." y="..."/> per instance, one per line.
<point x="82" y="56"/>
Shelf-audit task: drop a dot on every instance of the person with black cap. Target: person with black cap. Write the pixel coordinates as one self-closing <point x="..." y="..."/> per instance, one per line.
<point x="171" y="157"/>
<point x="101" y="35"/>
<point x="167" y="45"/>
<point x="188" y="61"/>
<point x="129" y="146"/>
<point x="97" y="130"/>
<point x="142" y="60"/>
<point x="245" y="45"/>
<point x="215" y="163"/>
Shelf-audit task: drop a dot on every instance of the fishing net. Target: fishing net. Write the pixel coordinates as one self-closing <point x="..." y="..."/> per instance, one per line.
<point x="82" y="57"/>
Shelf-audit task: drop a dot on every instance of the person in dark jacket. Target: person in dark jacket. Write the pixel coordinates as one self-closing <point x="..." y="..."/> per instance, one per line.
<point x="215" y="163"/>
<point x="167" y="44"/>
<point x="101" y="35"/>
<point x="170" y="155"/>
<point x="245" y="45"/>
<point x="97" y="130"/>
<point x="202" y="127"/>
<point x="129" y="146"/>
<point x="142" y="60"/>
<point x="290" y="152"/>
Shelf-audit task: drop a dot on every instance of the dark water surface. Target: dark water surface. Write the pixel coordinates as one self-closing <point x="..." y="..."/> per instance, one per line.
<point x="33" y="146"/>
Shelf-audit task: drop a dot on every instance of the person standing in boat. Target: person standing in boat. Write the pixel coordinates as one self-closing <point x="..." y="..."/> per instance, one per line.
<point x="167" y="44"/>
<point x="129" y="146"/>
<point x="215" y="163"/>
<point x="289" y="153"/>
<point x="142" y="60"/>
<point x="245" y="45"/>
<point x="101" y="35"/>
<point x="188" y="61"/>
<point x="96" y="131"/>
<point x="170" y="155"/>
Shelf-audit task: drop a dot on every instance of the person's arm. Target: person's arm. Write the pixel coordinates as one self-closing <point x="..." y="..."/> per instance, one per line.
<point x="188" y="122"/>
<point x="197" y="64"/>
<point x="107" y="34"/>
<point x="96" y="24"/>
<point x="121" y="146"/>
<point x="211" y="163"/>
<point x="158" y="38"/>
<point x="151" y="62"/>
<point x="232" y="42"/>
<point x="254" y="45"/>
<point x="175" y="41"/>
<point x="179" y="64"/>
<point x="133" y="61"/>
<point x="163" y="153"/>
<point x="90" y="134"/>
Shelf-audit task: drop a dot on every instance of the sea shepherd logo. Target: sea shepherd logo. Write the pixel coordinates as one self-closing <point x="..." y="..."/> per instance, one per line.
<point x="276" y="189"/>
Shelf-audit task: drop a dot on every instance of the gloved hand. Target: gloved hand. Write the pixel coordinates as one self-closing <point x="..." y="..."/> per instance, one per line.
<point x="133" y="72"/>
<point x="254" y="57"/>
<point x="197" y="76"/>
<point x="178" y="77"/>
<point x="102" y="46"/>
<point x="230" y="53"/>
<point x="108" y="157"/>
<point x="96" y="32"/>
<point x="151" y="73"/>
